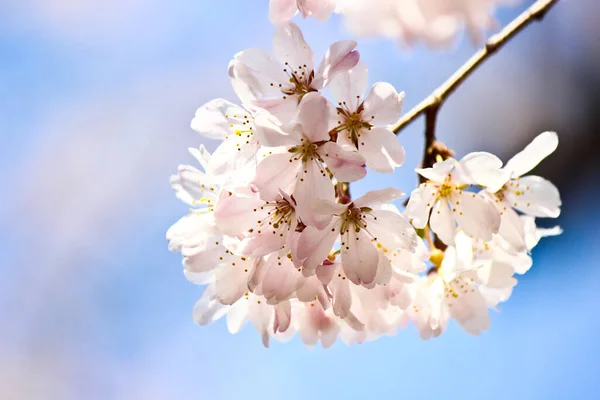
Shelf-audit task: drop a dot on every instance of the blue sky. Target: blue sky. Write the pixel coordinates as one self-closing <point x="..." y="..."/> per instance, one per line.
<point x="95" y="104"/>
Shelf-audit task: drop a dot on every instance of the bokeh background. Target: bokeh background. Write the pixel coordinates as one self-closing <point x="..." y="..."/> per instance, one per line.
<point x="95" y="103"/>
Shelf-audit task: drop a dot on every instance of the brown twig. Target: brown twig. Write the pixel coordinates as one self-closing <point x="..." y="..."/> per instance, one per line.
<point x="535" y="12"/>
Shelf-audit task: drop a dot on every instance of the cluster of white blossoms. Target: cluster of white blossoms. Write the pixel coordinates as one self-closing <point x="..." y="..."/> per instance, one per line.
<point x="436" y="22"/>
<point x="276" y="238"/>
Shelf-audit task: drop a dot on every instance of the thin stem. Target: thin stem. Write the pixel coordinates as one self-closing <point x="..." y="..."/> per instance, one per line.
<point x="535" y="12"/>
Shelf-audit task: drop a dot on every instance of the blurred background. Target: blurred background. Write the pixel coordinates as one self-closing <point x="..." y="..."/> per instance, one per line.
<point x="95" y="103"/>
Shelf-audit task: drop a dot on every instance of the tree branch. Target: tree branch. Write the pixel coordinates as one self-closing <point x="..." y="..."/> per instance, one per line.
<point x="535" y="12"/>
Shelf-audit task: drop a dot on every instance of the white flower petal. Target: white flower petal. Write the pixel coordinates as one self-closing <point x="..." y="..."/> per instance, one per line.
<point x="211" y="120"/>
<point x="290" y="48"/>
<point x="541" y="147"/>
<point x="481" y="168"/>
<point x="381" y="149"/>
<point x="440" y="170"/>
<point x="379" y="197"/>
<point x="383" y="103"/>
<point x="351" y="85"/>
<point x="442" y="222"/>
<point x="391" y="230"/>
<point x="269" y="132"/>
<point x="535" y="196"/>
<point x="477" y="216"/>
<point x="257" y="69"/>
<point x="420" y="203"/>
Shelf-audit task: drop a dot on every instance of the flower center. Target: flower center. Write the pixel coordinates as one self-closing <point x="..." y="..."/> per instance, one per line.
<point x="352" y="122"/>
<point x="301" y="79"/>
<point x="354" y="217"/>
<point x="284" y="213"/>
<point x="305" y="151"/>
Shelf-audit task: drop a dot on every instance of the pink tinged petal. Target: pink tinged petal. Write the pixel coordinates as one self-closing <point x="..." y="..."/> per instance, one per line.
<point x="420" y="203"/>
<point x="391" y="230"/>
<point x="236" y="214"/>
<point x="482" y="169"/>
<point x="274" y="173"/>
<point x="260" y="315"/>
<point x="535" y="196"/>
<point x="442" y="222"/>
<point x="342" y="298"/>
<point x="359" y="257"/>
<point x="281" y="279"/>
<point x="440" y="170"/>
<point x="290" y="47"/>
<point x="469" y="309"/>
<point x="383" y="103"/>
<point x="381" y="149"/>
<point x="269" y="132"/>
<point x="346" y="165"/>
<point x="340" y="57"/>
<point x="231" y="280"/>
<point x="313" y="290"/>
<point x="314" y="117"/>
<point x="326" y="271"/>
<point x="258" y="69"/>
<point x="283" y="317"/>
<point x="379" y="197"/>
<point x="283" y="108"/>
<point x="384" y="270"/>
<point x="208" y="309"/>
<point x="263" y="243"/>
<point x="282" y="10"/>
<point x="477" y="216"/>
<point x="313" y="183"/>
<point x="314" y="245"/>
<point x="541" y="147"/>
<point x="204" y="257"/>
<point x="351" y="85"/>
<point x="211" y="120"/>
<point x="321" y="10"/>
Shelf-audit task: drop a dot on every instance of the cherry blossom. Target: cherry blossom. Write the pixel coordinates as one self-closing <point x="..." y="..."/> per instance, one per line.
<point x="369" y="237"/>
<point x="236" y="156"/>
<point x="362" y="123"/>
<point x="272" y="232"/>
<point x="432" y="21"/>
<point x="445" y="197"/>
<point x="283" y="10"/>
<point x="279" y="83"/>
<point x="300" y="168"/>
<point x="531" y="195"/>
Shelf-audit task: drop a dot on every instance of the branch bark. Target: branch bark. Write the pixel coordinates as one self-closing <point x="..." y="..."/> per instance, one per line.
<point x="535" y="12"/>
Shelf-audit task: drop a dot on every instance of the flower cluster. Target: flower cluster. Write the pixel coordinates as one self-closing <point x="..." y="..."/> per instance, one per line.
<point x="435" y="22"/>
<point x="276" y="238"/>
